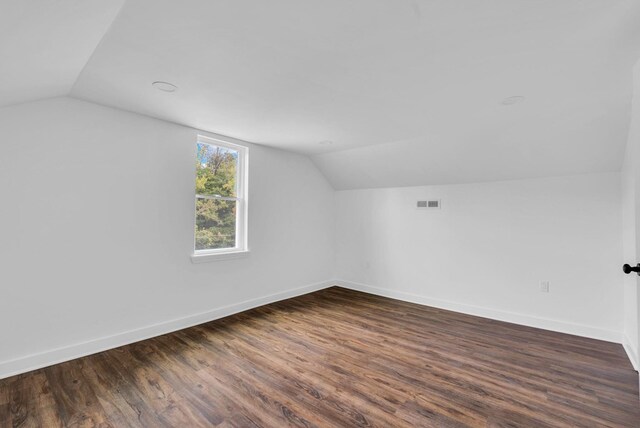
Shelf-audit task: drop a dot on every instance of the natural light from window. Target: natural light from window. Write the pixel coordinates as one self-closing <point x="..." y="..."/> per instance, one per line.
<point x="220" y="225"/>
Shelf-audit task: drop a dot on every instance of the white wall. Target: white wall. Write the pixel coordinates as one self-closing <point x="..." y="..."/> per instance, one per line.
<point x="96" y="223"/>
<point x="488" y="248"/>
<point x="631" y="228"/>
<point x="96" y="227"/>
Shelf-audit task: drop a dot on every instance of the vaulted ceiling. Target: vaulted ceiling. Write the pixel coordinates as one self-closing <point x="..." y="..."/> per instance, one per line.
<point x="407" y="92"/>
<point x="45" y="44"/>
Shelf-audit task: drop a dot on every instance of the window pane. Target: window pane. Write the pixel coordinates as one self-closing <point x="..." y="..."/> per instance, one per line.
<point x="216" y="170"/>
<point x="215" y="224"/>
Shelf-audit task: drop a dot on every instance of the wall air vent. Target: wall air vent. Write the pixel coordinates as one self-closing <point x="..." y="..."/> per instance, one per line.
<point x="433" y="204"/>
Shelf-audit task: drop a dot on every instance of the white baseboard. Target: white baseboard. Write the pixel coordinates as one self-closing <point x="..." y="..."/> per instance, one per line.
<point x="515" y="318"/>
<point x="66" y="353"/>
<point x="632" y="352"/>
<point x="70" y="352"/>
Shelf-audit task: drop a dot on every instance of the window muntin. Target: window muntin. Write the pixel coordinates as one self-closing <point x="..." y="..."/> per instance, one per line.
<point x="220" y="199"/>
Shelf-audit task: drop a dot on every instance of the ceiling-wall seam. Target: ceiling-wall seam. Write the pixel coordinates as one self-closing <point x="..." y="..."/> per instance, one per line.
<point x="108" y="29"/>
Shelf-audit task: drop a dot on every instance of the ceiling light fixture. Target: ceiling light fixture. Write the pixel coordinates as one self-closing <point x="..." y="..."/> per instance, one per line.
<point x="325" y="143"/>
<point x="512" y="100"/>
<point x="164" y="86"/>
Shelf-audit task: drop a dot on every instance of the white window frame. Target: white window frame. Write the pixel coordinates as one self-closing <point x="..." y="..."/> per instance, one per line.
<point x="241" y="248"/>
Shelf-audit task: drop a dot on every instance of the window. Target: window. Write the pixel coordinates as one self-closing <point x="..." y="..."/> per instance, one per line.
<point x="221" y="204"/>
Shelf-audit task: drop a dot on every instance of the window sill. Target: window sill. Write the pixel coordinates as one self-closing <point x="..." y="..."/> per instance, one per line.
<point x="214" y="257"/>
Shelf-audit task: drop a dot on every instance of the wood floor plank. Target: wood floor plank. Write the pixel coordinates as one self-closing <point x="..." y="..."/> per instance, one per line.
<point x="337" y="358"/>
<point x="76" y="401"/>
<point x="30" y="403"/>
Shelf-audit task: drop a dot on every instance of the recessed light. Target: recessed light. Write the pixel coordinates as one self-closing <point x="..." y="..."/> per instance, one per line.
<point x="164" y="86"/>
<point x="325" y="143"/>
<point x="512" y="100"/>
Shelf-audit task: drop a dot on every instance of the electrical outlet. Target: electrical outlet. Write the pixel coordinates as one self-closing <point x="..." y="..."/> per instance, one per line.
<point x="544" y="286"/>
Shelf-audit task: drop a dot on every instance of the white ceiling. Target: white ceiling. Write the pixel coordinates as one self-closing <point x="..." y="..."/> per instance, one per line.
<point x="44" y="44"/>
<point x="409" y="91"/>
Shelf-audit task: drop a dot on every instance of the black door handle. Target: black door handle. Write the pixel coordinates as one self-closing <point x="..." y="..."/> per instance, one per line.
<point x="628" y="269"/>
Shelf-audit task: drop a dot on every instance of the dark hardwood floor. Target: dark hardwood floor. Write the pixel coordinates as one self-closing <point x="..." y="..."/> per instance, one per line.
<point x="336" y="358"/>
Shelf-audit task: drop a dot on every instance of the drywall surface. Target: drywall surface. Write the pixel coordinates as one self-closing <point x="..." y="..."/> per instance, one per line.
<point x="45" y="45"/>
<point x="97" y="219"/>
<point x="488" y="248"/>
<point x="631" y="225"/>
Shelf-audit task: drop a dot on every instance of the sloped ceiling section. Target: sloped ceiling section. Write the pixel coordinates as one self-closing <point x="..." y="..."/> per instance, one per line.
<point x="399" y="92"/>
<point x="44" y="44"/>
<point x="408" y="91"/>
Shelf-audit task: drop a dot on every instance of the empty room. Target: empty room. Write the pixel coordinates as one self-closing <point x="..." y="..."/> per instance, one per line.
<point x="319" y="213"/>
